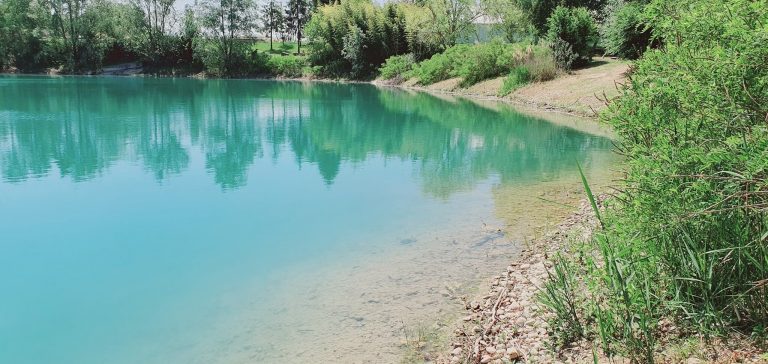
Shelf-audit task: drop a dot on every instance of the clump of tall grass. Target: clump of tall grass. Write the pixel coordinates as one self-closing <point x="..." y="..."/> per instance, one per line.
<point x="536" y="65"/>
<point x="559" y="295"/>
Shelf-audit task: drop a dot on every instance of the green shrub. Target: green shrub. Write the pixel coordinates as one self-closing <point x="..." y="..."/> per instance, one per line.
<point x="520" y="76"/>
<point x="483" y="61"/>
<point x="694" y="130"/>
<point x="684" y="243"/>
<point x="541" y="63"/>
<point x="441" y="66"/>
<point x="286" y="66"/>
<point x="260" y="63"/>
<point x="624" y="33"/>
<point x="562" y="53"/>
<point x="256" y="62"/>
<point x="538" y="12"/>
<point x="396" y="66"/>
<point x="475" y="63"/>
<point x="576" y="28"/>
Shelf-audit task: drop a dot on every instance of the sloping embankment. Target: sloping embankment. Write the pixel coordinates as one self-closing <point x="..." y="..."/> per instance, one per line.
<point x="579" y="93"/>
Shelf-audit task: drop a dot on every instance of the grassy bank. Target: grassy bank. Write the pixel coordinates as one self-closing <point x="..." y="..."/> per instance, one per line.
<point x="521" y="63"/>
<point x="580" y="92"/>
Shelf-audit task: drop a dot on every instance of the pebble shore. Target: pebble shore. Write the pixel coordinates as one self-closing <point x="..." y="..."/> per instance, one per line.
<point x="506" y="324"/>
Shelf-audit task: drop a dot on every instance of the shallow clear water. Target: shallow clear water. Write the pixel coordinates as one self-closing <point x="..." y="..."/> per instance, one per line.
<point x="157" y="220"/>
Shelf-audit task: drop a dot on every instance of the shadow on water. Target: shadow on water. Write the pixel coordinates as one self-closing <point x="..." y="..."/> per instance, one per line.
<point x="82" y="126"/>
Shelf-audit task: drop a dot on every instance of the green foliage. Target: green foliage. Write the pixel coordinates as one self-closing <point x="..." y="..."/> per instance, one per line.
<point x="562" y="52"/>
<point x="520" y="76"/>
<point x="693" y="121"/>
<point x="685" y="241"/>
<point x="354" y="38"/>
<point x="484" y="61"/>
<point x="22" y="44"/>
<point x="354" y="50"/>
<point x="624" y="33"/>
<point x="286" y="66"/>
<point x="538" y="12"/>
<point x="396" y="67"/>
<point x="541" y="63"/>
<point x="559" y="296"/>
<point x="264" y="64"/>
<point x="223" y="25"/>
<point x="576" y="27"/>
<point x="475" y="63"/>
<point x="449" y="20"/>
<point x="441" y="66"/>
<point x="256" y="63"/>
<point x="514" y="23"/>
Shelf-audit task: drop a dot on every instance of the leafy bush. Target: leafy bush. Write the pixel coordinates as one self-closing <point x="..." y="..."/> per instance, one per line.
<point x="693" y="125"/>
<point x="538" y="12"/>
<point x="685" y="242"/>
<point x="536" y="65"/>
<point x="519" y="77"/>
<point x="474" y="63"/>
<point x="562" y="53"/>
<point x="396" y="66"/>
<point x="440" y="66"/>
<point x="483" y="61"/>
<point x="263" y="64"/>
<point x="575" y="27"/>
<point x="624" y="33"/>
<point x="286" y="66"/>
<point x="354" y="51"/>
<point x="257" y="63"/>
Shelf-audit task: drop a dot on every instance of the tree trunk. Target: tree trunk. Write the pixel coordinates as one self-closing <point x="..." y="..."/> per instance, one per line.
<point x="298" y="42"/>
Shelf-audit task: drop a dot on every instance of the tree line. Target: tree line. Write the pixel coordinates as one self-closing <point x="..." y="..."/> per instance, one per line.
<point x="341" y="38"/>
<point x="84" y="35"/>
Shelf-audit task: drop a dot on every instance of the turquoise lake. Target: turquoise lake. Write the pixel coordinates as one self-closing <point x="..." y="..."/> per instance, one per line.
<point x="152" y="220"/>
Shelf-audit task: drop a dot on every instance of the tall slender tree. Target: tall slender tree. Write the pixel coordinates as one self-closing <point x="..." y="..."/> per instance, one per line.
<point x="297" y="15"/>
<point x="273" y="19"/>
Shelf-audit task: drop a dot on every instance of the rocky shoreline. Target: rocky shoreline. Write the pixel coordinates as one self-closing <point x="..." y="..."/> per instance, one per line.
<point x="506" y="324"/>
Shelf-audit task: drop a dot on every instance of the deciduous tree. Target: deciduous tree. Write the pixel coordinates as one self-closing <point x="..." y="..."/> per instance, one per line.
<point x="225" y="23"/>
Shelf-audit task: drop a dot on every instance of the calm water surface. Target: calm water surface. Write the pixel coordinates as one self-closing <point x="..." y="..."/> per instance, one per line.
<point x="177" y="221"/>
